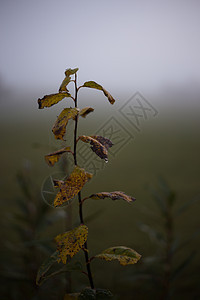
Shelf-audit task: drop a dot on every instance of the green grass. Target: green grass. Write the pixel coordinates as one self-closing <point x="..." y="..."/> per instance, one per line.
<point x="169" y="148"/>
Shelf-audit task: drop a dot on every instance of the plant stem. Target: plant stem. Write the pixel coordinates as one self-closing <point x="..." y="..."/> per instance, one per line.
<point x="79" y="194"/>
<point x="168" y="254"/>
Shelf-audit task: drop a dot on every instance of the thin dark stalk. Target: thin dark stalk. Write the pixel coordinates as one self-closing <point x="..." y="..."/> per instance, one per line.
<point x="168" y="258"/>
<point x="89" y="273"/>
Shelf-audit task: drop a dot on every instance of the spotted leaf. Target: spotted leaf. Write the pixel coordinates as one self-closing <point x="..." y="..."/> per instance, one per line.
<point x="71" y="186"/>
<point x="104" y="141"/>
<point x="85" y="111"/>
<point x="113" y="195"/>
<point x="59" y="127"/>
<point x="71" y="242"/>
<point x="125" y="255"/>
<point x="94" y="85"/>
<point x="54" y="157"/>
<point x="49" y="100"/>
<point x="67" y="79"/>
<point x="99" y="144"/>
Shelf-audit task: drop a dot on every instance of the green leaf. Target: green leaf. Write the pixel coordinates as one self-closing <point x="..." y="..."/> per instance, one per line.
<point x="113" y="195"/>
<point x="87" y="294"/>
<point x="96" y="294"/>
<point x="59" y="127"/>
<point x="54" y="157"/>
<point x="67" y="79"/>
<point x="94" y="85"/>
<point x="154" y="235"/>
<point x="99" y="144"/>
<point x="71" y="186"/>
<point x="85" y="111"/>
<point x="50" y="100"/>
<point x="183" y="265"/>
<point x="71" y="242"/>
<point x="124" y="255"/>
<point x="102" y="294"/>
<point x="47" y="264"/>
<point x="43" y="273"/>
<point x="187" y="205"/>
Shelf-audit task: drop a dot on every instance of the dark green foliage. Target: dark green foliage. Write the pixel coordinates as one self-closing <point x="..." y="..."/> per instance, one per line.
<point x="164" y="272"/>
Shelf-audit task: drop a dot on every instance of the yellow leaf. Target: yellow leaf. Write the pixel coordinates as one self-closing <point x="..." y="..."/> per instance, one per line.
<point x="125" y="255"/>
<point x="113" y="195"/>
<point x="71" y="242"/>
<point x="59" y="127"/>
<point x="85" y="111"/>
<point x="69" y="72"/>
<point x="54" y="157"/>
<point x="99" y="144"/>
<point x="71" y="186"/>
<point x="94" y="85"/>
<point x="67" y="79"/>
<point x="64" y="84"/>
<point x="49" y="100"/>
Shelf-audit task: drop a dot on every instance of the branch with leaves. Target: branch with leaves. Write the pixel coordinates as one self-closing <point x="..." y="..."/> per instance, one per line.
<point x="71" y="242"/>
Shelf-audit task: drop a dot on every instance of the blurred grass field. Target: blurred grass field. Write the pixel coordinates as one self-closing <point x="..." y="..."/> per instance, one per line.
<point x="168" y="146"/>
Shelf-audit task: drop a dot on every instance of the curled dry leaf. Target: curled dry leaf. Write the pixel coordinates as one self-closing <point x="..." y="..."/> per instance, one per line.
<point x="49" y="100"/>
<point x="71" y="186"/>
<point x="94" y="85"/>
<point x="59" y="127"/>
<point x="71" y="242"/>
<point x="104" y="141"/>
<point x="113" y="195"/>
<point x="54" y="157"/>
<point x="125" y="255"/>
<point x="99" y="144"/>
<point x="69" y="71"/>
<point x="109" y="96"/>
<point x="85" y="111"/>
<point x="67" y="79"/>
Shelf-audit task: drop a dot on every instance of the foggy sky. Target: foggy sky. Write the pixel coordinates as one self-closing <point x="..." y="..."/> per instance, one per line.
<point x="120" y="44"/>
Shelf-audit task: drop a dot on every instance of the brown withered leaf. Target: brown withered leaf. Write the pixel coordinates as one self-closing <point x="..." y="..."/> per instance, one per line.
<point x="109" y="96"/>
<point x="104" y="141"/>
<point x="67" y="79"/>
<point x="71" y="242"/>
<point x="71" y="186"/>
<point x="85" y="111"/>
<point x="49" y="100"/>
<point x="113" y="195"/>
<point x="54" y="157"/>
<point x="125" y="255"/>
<point x="94" y="85"/>
<point x="59" y="127"/>
<point x="99" y="144"/>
